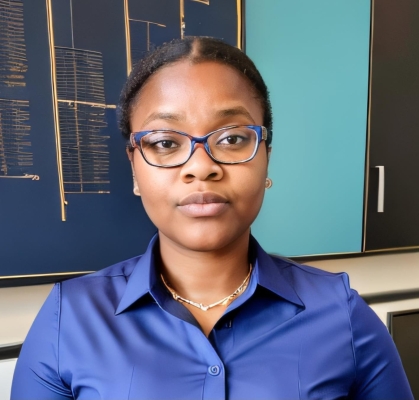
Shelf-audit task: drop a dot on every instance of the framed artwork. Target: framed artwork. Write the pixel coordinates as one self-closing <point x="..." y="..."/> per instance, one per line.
<point x="66" y="201"/>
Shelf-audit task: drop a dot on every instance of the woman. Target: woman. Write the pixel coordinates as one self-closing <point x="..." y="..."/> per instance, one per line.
<point x="205" y="312"/>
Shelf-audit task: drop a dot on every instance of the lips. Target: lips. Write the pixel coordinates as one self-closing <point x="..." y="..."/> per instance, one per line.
<point x="203" y="204"/>
<point x="202" y="198"/>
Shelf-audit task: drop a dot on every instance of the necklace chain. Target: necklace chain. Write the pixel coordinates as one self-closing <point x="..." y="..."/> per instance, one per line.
<point x="221" y="302"/>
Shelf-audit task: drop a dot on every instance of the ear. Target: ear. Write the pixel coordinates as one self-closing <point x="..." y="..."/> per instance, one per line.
<point x="269" y="157"/>
<point x="135" y="188"/>
<point x="129" y="154"/>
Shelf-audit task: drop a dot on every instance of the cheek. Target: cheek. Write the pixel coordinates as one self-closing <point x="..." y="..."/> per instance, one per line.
<point x="249" y="188"/>
<point x="253" y="195"/>
<point x="153" y="183"/>
<point x="256" y="187"/>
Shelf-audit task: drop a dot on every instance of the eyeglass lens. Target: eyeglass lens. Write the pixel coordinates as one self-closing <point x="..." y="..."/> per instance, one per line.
<point x="166" y="148"/>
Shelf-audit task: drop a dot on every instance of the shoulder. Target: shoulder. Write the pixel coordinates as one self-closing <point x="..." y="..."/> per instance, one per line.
<point x="308" y="280"/>
<point x="283" y="262"/>
<point x="110" y="281"/>
<point x="343" y="327"/>
<point x="121" y="269"/>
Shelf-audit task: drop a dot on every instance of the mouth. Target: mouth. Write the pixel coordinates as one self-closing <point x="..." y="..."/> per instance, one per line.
<point x="203" y="204"/>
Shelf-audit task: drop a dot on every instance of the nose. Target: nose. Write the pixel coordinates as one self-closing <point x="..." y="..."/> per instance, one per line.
<point x="201" y="166"/>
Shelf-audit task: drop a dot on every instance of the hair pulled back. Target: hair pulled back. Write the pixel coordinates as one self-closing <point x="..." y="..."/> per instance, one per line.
<point x="196" y="50"/>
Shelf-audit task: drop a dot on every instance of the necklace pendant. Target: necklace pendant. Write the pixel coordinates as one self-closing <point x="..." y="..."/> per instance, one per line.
<point x="222" y="302"/>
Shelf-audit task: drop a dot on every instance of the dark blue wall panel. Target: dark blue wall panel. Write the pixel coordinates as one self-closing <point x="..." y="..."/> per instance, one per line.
<point x="100" y="229"/>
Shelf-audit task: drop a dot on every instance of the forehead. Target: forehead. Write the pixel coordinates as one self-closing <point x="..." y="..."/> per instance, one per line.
<point x="196" y="90"/>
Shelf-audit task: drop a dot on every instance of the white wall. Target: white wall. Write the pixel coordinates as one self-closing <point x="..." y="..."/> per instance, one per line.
<point x="368" y="275"/>
<point x="373" y="274"/>
<point x="377" y="273"/>
<point x="6" y="374"/>
<point x="18" y="308"/>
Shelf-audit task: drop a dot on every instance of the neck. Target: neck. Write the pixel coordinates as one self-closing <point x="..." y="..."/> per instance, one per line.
<point x="204" y="276"/>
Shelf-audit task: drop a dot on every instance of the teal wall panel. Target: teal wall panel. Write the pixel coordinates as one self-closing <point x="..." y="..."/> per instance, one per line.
<point x="314" y="57"/>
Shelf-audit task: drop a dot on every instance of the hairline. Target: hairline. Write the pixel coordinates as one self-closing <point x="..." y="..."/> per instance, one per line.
<point x="193" y="59"/>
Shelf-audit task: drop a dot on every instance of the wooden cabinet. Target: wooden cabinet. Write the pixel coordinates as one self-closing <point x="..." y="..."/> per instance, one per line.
<point x="394" y="127"/>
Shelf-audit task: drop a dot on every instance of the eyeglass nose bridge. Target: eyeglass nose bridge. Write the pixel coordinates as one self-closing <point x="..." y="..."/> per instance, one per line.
<point x="200" y="140"/>
<point x="204" y="140"/>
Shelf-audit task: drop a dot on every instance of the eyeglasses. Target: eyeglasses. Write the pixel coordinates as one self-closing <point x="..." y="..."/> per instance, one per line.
<point x="170" y="148"/>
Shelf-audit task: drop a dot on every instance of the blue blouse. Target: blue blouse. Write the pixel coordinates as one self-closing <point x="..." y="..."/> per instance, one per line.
<point x="296" y="333"/>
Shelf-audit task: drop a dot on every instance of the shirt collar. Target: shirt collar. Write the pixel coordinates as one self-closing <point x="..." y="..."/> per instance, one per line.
<point x="142" y="278"/>
<point x="274" y="275"/>
<point x="269" y="274"/>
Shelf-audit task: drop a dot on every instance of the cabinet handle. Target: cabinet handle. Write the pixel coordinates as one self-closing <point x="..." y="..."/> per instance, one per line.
<point x="380" y="204"/>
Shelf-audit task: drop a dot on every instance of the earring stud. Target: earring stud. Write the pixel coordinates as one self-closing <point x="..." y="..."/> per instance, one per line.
<point x="135" y="189"/>
<point x="268" y="183"/>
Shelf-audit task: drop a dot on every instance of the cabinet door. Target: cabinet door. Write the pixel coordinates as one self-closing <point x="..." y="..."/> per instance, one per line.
<point x="314" y="57"/>
<point x="394" y="126"/>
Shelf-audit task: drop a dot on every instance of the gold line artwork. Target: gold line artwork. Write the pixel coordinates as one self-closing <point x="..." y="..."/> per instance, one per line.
<point x="25" y="176"/>
<point x="132" y="28"/>
<point x="182" y="18"/>
<point x="147" y="23"/>
<point x="79" y="102"/>
<point x="39" y="275"/>
<point x="135" y="25"/>
<point x="81" y="110"/>
<point x="55" y="109"/>
<point x="13" y="62"/>
<point x="133" y="31"/>
<point x="207" y="2"/>
<point x="239" y="24"/>
<point x="15" y="146"/>
<point x="127" y="37"/>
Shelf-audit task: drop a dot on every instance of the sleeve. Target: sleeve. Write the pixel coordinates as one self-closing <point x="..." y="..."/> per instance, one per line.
<point x="379" y="371"/>
<point x="37" y="373"/>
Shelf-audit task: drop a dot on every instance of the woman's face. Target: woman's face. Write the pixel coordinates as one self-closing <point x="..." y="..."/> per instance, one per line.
<point x="200" y="205"/>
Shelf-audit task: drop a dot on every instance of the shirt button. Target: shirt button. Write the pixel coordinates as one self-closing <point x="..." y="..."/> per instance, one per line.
<point x="214" y="370"/>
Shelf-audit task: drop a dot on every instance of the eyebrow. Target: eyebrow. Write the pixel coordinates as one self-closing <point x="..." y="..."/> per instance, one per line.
<point x="166" y="116"/>
<point x="228" y="112"/>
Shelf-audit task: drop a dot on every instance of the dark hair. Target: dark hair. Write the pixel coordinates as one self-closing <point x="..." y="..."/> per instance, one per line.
<point x="195" y="49"/>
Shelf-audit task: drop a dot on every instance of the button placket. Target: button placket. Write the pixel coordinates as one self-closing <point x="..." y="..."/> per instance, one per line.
<point x="215" y="383"/>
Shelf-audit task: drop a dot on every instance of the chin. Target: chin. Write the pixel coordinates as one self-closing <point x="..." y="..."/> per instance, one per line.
<point x="210" y="239"/>
<point x="204" y="245"/>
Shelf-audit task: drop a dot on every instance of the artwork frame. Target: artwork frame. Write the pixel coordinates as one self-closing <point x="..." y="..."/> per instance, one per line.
<point x="67" y="215"/>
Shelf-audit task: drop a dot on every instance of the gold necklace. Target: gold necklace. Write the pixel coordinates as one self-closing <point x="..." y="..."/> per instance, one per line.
<point x="221" y="302"/>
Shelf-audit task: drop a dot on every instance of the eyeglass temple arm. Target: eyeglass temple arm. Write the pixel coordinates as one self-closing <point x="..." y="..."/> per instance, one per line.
<point x="264" y="133"/>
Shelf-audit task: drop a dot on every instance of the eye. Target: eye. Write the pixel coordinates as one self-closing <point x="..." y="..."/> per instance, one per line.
<point x="235" y="137"/>
<point x="159" y="141"/>
<point x="232" y="139"/>
<point x="166" y="144"/>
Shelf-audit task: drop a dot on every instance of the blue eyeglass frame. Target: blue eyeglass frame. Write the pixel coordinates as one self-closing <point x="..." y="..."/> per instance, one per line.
<point x="135" y="137"/>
